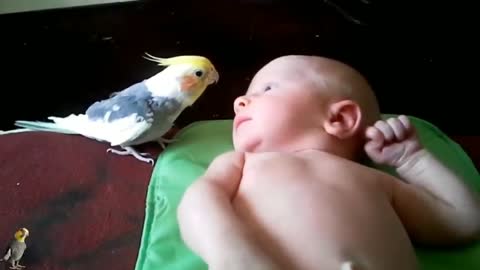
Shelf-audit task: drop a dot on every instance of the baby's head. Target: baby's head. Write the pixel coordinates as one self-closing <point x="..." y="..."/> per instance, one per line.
<point x="300" y="102"/>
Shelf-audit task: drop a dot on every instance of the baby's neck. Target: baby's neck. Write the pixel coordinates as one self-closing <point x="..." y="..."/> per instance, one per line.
<point x="342" y="148"/>
<point x="343" y="154"/>
<point x="347" y="148"/>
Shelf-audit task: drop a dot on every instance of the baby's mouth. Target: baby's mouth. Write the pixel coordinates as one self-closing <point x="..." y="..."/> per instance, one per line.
<point x="240" y="120"/>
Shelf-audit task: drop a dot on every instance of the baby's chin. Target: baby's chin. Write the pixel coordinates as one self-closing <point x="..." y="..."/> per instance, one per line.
<point x="246" y="145"/>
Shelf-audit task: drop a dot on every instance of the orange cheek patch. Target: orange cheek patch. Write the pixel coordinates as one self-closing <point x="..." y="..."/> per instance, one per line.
<point x="188" y="82"/>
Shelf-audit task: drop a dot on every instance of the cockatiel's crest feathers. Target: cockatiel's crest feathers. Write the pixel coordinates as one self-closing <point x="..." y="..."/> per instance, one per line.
<point x="182" y="59"/>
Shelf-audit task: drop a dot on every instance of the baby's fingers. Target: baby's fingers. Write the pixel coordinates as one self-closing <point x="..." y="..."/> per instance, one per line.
<point x="398" y="128"/>
<point x="405" y="122"/>
<point x="374" y="134"/>
<point x="385" y="129"/>
<point x="375" y="139"/>
<point x="375" y="143"/>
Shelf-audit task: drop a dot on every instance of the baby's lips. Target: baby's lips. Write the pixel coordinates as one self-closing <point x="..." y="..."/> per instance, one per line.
<point x="239" y="120"/>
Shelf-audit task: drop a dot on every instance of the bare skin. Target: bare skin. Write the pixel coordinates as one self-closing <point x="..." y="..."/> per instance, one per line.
<point x="293" y="196"/>
<point x="322" y="211"/>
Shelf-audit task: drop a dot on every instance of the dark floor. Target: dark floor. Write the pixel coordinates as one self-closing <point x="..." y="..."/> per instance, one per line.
<point x="84" y="208"/>
<point x="63" y="60"/>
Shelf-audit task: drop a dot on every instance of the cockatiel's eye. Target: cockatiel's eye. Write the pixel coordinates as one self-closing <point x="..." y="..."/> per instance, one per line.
<point x="268" y="88"/>
<point x="199" y="73"/>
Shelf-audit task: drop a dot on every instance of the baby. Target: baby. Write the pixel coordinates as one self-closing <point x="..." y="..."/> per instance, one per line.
<point x="294" y="194"/>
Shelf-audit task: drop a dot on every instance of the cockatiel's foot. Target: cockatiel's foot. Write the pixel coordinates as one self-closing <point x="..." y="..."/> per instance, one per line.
<point x="350" y="266"/>
<point x="162" y="142"/>
<point x="128" y="150"/>
<point x="20" y="266"/>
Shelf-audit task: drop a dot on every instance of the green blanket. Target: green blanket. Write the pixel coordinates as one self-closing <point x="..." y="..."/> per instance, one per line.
<point x="182" y="162"/>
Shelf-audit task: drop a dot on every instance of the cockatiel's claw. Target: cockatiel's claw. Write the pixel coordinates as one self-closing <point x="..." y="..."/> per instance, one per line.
<point x="127" y="150"/>
<point x="168" y="140"/>
<point x="162" y="142"/>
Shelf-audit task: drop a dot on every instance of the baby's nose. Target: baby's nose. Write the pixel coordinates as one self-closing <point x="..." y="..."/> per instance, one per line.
<point x="240" y="103"/>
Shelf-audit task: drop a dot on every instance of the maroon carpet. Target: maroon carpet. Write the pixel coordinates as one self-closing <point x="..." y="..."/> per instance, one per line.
<point x="84" y="207"/>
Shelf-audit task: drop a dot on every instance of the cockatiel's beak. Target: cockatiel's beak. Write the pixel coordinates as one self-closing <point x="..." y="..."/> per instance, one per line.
<point x="214" y="77"/>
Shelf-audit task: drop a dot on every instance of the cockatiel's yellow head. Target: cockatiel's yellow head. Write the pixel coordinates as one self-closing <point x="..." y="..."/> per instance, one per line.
<point x="193" y="73"/>
<point x="21" y="234"/>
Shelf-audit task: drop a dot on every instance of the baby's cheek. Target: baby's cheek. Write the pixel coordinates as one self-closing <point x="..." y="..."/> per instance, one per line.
<point x="268" y="113"/>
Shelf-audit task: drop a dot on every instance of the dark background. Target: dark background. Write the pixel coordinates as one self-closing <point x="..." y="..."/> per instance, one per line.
<point x="413" y="52"/>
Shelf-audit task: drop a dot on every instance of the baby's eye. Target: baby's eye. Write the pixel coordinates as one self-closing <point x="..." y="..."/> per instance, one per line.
<point x="268" y="88"/>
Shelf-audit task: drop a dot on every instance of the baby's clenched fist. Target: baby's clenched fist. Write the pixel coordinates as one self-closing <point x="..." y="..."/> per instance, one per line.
<point x="392" y="142"/>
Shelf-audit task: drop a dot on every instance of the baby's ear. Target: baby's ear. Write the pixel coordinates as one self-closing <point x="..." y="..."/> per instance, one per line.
<point x="343" y="119"/>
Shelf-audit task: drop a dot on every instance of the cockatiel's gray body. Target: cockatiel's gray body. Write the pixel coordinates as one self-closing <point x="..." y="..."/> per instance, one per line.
<point x="14" y="253"/>
<point x="149" y="117"/>
<point x="16" y="249"/>
<point x="141" y="113"/>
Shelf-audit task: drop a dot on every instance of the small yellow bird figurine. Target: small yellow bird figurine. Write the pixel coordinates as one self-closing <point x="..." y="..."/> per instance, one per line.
<point x="16" y="249"/>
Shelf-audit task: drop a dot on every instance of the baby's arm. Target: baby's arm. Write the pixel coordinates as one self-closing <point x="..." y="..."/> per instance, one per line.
<point x="435" y="204"/>
<point x="209" y="225"/>
<point x="438" y="207"/>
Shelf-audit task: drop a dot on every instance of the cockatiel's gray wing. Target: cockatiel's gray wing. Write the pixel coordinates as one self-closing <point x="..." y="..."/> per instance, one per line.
<point x="17" y="250"/>
<point x="135" y="114"/>
<point x="8" y="254"/>
<point x="124" y="116"/>
<point x="14" y="251"/>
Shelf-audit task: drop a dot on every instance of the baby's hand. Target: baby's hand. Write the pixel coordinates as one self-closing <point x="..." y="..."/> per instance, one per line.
<point x="392" y="142"/>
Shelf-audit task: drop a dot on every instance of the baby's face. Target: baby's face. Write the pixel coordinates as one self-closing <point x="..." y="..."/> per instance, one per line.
<point x="279" y="109"/>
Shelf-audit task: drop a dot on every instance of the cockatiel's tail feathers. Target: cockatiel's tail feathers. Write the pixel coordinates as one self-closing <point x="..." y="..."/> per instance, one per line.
<point x="43" y="126"/>
<point x="7" y="255"/>
<point x="13" y="131"/>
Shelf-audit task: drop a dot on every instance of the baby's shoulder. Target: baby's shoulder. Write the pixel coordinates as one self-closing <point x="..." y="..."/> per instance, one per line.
<point x="229" y="158"/>
<point x="359" y="169"/>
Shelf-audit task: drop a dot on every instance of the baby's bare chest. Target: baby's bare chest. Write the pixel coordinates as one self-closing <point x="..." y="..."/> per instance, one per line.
<point x="304" y="175"/>
<point x="315" y="187"/>
<point x="335" y="207"/>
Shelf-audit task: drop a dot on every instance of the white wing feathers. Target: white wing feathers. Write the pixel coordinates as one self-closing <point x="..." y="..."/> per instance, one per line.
<point x="116" y="132"/>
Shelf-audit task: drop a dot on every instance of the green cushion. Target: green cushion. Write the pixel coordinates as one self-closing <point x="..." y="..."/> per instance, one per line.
<point x="182" y="162"/>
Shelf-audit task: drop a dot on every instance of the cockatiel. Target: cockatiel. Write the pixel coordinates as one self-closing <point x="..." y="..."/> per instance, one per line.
<point x="141" y="113"/>
<point x="16" y="249"/>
